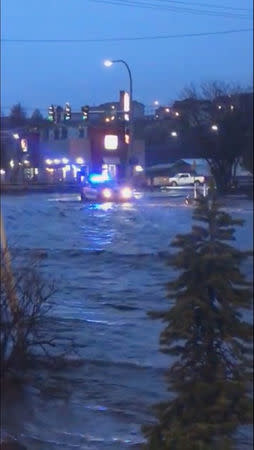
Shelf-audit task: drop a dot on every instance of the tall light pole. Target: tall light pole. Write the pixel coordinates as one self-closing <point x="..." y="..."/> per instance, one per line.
<point x="109" y="63"/>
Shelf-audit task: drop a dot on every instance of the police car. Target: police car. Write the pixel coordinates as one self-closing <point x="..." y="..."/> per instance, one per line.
<point x="100" y="188"/>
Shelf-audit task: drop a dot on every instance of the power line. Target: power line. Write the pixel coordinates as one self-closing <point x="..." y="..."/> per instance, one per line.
<point x="204" y="5"/>
<point x="172" y="8"/>
<point x="118" y="39"/>
<point x="177" y="9"/>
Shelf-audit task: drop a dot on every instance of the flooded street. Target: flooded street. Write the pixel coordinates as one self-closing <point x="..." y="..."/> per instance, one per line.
<point x="109" y="265"/>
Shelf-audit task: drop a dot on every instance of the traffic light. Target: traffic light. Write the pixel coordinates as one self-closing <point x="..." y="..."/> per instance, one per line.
<point x="67" y="112"/>
<point x="85" y="112"/>
<point x="51" y="113"/>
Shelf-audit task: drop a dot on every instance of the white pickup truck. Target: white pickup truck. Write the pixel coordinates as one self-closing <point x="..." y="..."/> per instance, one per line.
<point x="185" y="179"/>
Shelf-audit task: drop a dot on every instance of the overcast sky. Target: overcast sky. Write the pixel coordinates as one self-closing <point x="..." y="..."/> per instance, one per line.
<point x="38" y="74"/>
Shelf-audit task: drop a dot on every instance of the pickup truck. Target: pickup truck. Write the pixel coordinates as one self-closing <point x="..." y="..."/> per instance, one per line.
<point x="185" y="179"/>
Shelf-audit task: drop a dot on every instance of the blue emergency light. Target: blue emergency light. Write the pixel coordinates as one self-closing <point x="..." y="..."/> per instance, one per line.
<point x="98" y="178"/>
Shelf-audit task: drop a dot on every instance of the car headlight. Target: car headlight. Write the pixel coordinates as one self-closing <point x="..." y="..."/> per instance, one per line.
<point x="126" y="193"/>
<point x="107" y="193"/>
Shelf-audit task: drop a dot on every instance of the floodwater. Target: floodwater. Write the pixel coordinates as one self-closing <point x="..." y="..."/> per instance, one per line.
<point x="109" y="265"/>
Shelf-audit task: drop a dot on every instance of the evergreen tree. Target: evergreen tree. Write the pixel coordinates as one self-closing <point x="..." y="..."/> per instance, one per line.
<point x="206" y="333"/>
<point x="36" y="118"/>
<point x="18" y="116"/>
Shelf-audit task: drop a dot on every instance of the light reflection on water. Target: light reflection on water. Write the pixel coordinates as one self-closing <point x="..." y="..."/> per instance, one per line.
<point x="103" y="300"/>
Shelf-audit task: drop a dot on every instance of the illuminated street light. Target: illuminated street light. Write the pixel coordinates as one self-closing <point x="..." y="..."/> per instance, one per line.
<point x="57" y="161"/>
<point x="174" y="134"/>
<point x="167" y="110"/>
<point x="108" y="63"/>
<point x="65" y="161"/>
<point x="48" y="161"/>
<point x="79" y="161"/>
<point x="12" y="164"/>
<point x="2" y="172"/>
<point x="107" y="119"/>
<point x="232" y="107"/>
<point x="219" y="107"/>
<point x="177" y="114"/>
<point x="214" y="127"/>
<point x="16" y="136"/>
<point x="26" y="162"/>
<point x="156" y="103"/>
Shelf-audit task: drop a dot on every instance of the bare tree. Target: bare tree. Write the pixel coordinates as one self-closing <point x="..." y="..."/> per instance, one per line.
<point x="21" y="331"/>
<point x="220" y="124"/>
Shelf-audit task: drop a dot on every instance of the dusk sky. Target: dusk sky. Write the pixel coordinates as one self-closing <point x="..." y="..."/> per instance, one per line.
<point x="38" y="74"/>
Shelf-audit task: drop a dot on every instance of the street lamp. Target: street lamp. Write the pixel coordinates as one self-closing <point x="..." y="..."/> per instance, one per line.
<point x="109" y="63"/>
<point x="214" y="127"/>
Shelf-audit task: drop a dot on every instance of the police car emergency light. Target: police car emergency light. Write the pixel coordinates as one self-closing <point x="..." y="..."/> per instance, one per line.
<point x="97" y="178"/>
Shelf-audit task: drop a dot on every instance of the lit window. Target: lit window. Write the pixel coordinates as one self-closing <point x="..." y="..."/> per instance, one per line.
<point x="139" y="169"/>
<point x="111" y="142"/>
<point x="23" y="144"/>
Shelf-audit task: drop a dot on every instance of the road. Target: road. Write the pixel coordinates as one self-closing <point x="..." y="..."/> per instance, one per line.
<point x="109" y="264"/>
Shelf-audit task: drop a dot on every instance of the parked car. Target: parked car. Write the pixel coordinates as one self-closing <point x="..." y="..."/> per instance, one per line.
<point x="186" y="179"/>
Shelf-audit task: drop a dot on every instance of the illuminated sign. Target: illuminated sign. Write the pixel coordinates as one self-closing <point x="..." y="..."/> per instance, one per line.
<point x="125" y="104"/>
<point x="111" y="142"/>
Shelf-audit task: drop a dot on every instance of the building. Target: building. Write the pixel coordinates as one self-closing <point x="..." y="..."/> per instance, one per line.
<point x="20" y="155"/>
<point x="67" y="153"/>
